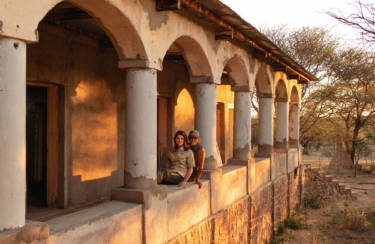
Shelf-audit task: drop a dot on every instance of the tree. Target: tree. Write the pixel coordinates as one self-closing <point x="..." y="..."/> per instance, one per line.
<point x="353" y="102"/>
<point x="313" y="48"/>
<point x="363" y="19"/>
<point x="346" y="98"/>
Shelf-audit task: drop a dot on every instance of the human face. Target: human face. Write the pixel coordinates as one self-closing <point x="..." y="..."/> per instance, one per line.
<point x="179" y="141"/>
<point x="194" y="140"/>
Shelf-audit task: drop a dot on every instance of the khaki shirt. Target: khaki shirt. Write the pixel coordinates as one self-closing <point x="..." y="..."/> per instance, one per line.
<point x="181" y="160"/>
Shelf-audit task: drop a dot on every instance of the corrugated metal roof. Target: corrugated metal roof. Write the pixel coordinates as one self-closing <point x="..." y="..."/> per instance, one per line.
<point x="232" y="18"/>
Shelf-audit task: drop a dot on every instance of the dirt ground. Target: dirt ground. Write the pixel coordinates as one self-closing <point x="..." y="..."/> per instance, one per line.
<point x="336" y="222"/>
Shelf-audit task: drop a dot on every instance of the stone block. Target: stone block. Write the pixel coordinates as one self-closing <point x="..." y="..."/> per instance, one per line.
<point x="187" y="207"/>
<point x="154" y="211"/>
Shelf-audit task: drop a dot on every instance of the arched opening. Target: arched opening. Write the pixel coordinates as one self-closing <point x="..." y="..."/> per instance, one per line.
<point x="294" y="118"/>
<point x="184" y="112"/>
<point x="234" y="79"/>
<point x="263" y="104"/>
<point x="75" y="113"/>
<point x="184" y="61"/>
<point x="281" y="112"/>
<point x="174" y="100"/>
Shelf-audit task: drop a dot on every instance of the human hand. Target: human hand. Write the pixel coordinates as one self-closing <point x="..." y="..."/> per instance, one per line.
<point x="182" y="183"/>
<point x="199" y="184"/>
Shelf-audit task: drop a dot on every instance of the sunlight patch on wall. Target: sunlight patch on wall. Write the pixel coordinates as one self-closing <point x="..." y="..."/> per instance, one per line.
<point x="94" y="131"/>
<point x="184" y="112"/>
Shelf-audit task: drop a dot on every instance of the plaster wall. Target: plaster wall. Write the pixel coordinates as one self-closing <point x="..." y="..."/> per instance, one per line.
<point x="234" y="184"/>
<point x="262" y="171"/>
<point x="147" y="37"/>
<point x="279" y="164"/>
<point x="93" y="109"/>
<point x="292" y="159"/>
<point x="112" y="222"/>
<point x="187" y="207"/>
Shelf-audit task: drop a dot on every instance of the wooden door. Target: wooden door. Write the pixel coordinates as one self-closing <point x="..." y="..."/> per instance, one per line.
<point x="220" y="129"/>
<point x="52" y="144"/>
<point x="162" y="136"/>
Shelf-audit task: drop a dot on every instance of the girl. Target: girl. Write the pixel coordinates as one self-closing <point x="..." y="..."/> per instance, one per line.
<point x="181" y="162"/>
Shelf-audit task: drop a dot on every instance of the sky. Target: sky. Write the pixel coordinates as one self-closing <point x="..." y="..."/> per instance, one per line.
<point x="295" y="13"/>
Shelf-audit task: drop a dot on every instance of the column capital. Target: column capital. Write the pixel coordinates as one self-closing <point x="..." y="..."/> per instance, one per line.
<point x="241" y="89"/>
<point x="203" y="79"/>
<point x="265" y="95"/>
<point x="137" y="64"/>
<point x="282" y="99"/>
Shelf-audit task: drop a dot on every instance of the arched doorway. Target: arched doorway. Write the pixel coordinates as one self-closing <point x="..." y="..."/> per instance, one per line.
<point x="75" y="111"/>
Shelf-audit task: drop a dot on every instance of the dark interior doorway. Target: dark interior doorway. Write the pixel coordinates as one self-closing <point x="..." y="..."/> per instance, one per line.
<point x="36" y="140"/>
<point x="42" y="146"/>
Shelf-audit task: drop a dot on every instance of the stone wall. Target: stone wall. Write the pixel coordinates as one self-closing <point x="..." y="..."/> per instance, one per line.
<point x="280" y="199"/>
<point x="261" y="215"/>
<point x="253" y="218"/>
<point x="294" y="189"/>
<point x="324" y="187"/>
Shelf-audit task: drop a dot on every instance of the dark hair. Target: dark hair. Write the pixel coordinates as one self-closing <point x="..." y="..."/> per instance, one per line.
<point x="183" y="134"/>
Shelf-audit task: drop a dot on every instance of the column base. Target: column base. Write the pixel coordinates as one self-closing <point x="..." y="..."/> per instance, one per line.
<point x="281" y="145"/>
<point x="31" y="232"/>
<point x="139" y="182"/>
<point x="211" y="163"/>
<point x="293" y="143"/>
<point x="264" y="151"/>
<point x="242" y="153"/>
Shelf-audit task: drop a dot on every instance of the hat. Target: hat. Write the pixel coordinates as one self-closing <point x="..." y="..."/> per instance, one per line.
<point x="194" y="133"/>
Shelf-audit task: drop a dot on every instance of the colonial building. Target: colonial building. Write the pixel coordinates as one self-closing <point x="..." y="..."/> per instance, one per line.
<point x="91" y="93"/>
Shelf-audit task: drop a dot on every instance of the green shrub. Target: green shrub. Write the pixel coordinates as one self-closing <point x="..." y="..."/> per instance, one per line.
<point x="312" y="202"/>
<point x="294" y="223"/>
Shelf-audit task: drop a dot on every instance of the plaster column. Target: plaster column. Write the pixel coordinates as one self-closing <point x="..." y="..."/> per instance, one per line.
<point x="12" y="133"/>
<point x="242" y="125"/>
<point x="265" y="140"/>
<point x="205" y="122"/>
<point x="282" y="120"/>
<point x="141" y="128"/>
<point x="294" y="125"/>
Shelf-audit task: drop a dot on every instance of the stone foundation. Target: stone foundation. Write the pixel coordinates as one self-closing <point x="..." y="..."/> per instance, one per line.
<point x="325" y="188"/>
<point x="251" y="219"/>
<point x="239" y="218"/>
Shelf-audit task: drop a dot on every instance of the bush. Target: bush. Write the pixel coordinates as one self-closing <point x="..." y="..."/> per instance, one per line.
<point x="294" y="223"/>
<point x="312" y="202"/>
<point x="351" y="220"/>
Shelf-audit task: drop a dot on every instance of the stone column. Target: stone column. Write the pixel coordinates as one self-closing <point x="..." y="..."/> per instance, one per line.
<point x="294" y="126"/>
<point x="141" y="128"/>
<point x="205" y="121"/>
<point x="12" y="133"/>
<point x="242" y="125"/>
<point x="282" y="120"/>
<point x="265" y="140"/>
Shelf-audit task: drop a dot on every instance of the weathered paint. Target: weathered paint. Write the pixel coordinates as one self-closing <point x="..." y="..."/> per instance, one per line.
<point x="242" y="125"/>
<point x="141" y="128"/>
<point x="205" y="121"/>
<point x="282" y="120"/>
<point x="294" y="123"/>
<point x="12" y="133"/>
<point x="265" y="125"/>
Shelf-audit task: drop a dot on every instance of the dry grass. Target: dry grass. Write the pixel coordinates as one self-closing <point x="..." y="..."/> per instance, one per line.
<point x="343" y="222"/>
